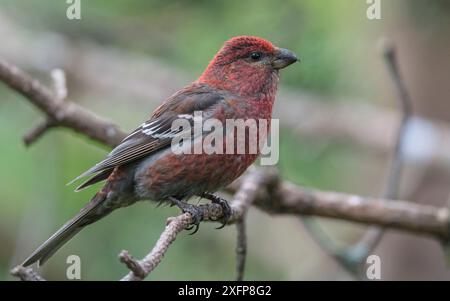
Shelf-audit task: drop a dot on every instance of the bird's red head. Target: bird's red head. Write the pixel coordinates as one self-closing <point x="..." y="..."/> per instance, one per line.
<point x="247" y="65"/>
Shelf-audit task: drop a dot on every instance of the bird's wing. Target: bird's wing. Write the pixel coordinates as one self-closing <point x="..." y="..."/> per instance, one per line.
<point x="156" y="133"/>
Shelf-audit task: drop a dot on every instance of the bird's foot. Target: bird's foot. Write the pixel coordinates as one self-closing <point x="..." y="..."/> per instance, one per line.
<point x="226" y="209"/>
<point x="195" y="211"/>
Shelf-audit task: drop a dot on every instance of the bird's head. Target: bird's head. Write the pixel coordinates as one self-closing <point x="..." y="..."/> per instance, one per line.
<point x="247" y="65"/>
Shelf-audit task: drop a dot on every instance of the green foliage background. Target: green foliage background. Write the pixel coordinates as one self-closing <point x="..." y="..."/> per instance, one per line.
<point x="336" y="43"/>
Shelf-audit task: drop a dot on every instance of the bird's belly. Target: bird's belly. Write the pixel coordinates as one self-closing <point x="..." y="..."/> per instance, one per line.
<point x="184" y="175"/>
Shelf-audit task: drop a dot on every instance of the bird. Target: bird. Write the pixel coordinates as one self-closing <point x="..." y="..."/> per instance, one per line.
<point x="240" y="82"/>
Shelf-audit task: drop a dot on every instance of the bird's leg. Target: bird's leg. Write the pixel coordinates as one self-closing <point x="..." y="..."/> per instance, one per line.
<point x="226" y="209"/>
<point x="195" y="211"/>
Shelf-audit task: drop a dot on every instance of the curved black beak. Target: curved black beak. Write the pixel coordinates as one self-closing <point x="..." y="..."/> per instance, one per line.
<point x="283" y="58"/>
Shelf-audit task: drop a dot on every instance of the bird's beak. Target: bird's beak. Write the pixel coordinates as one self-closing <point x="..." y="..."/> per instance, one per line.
<point x="283" y="58"/>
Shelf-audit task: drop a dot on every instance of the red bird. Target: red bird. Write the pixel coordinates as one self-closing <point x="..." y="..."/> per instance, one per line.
<point x="239" y="83"/>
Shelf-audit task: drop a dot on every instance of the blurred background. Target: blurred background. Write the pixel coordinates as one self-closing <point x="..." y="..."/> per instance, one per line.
<point x="338" y="111"/>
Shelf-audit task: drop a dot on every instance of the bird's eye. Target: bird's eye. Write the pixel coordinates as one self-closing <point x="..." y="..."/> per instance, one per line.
<point x="255" y="56"/>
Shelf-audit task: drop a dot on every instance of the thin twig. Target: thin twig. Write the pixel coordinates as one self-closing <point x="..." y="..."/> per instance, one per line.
<point x="353" y="257"/>
<point x="132" y="264"/>
<point x="38" y="131"/>
<point x="66" y="114"/>
<point x="150" y="262"/>
<point x="241" y="249"/>
<point x="60" y="93"/>
<point x="359" y="251"/>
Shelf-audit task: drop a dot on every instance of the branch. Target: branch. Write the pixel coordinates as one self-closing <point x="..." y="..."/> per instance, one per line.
<point x="60" y="94"/>
<point x="250" y="188"/>
<point x="359" y="251"/>
<point x="352" y="258"/>
<point x="141" y="268"/>
<point x="400" y="215"/>
<point x="38" y="131"/>
<point x="241" y="249"/>
<point x="66" y="114"/>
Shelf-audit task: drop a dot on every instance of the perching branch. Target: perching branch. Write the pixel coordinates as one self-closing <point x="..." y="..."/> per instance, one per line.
<point x="141" y="268"/>
<point x="244" y="197"/>
<point x="260" y="188"/>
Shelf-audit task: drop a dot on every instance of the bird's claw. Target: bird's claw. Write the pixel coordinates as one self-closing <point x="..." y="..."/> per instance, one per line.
<point x="226" y="209"/>
<point x="197" y="216"/>
<point x="190" y="227"/>
<point x="195" y="212"/>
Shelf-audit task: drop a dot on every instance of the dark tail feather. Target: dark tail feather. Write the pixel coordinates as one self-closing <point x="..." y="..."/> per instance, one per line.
<point x="97" y="178"/>
<point x="86" y="216"/>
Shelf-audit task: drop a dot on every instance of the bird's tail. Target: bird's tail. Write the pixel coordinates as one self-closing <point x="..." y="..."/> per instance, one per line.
<point x="90" y="213"/>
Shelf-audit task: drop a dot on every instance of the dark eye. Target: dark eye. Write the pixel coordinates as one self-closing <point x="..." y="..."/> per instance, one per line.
<point x="255" y="56"/>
